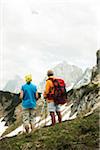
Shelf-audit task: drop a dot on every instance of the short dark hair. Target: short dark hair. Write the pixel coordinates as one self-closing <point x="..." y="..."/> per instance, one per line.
<point x="50" y="73"/>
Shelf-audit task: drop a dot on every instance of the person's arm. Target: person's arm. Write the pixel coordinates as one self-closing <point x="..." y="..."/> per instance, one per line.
<point x="37" y="96"/>
<point x="47" y="88"/>
<point x="21" y="95"/>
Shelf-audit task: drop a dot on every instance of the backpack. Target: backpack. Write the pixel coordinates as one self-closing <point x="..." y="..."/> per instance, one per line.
<point x="59" y="93"/>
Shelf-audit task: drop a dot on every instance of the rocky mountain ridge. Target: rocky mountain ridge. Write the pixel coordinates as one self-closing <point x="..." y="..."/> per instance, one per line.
<point x="84" y="97"/>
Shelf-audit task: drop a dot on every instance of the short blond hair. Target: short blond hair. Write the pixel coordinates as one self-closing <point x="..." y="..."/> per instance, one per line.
<point x="28" y="78"/>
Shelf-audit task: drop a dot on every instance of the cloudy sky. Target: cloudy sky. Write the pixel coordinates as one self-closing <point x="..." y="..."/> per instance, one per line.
<point x="37" y="34"/>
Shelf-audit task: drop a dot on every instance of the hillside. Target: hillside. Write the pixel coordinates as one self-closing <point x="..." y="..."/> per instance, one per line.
<point x="81" y="133"/>
<point x="86" y="97"/>
<point x="78" y="134"/>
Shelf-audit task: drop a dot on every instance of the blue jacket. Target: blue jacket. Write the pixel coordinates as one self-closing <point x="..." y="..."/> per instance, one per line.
<point x="29" y="96"/>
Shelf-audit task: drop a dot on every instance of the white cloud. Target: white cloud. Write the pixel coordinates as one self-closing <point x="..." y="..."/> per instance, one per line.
<point x="37" y="34"/>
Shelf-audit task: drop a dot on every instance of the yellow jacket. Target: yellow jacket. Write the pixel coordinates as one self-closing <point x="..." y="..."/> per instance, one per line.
<point x="48" y="87"/>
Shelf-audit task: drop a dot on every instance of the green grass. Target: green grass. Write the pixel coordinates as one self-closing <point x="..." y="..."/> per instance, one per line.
<point x="78" y="134"/>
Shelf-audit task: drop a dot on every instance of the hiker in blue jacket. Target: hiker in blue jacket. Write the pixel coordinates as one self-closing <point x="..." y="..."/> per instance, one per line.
<point x="28" y="95"/>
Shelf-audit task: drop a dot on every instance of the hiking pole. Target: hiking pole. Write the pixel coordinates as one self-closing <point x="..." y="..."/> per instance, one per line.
<point x="45" y="105"/>
<point x="41" y="114"/>
<point x="40" y="118"/>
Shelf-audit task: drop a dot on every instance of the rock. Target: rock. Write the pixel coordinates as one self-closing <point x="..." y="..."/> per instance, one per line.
<point x="86" y="78"/>
<point x="86" y="96"/>
<point x="98" y="60"/>
<point x="8" y="102"/>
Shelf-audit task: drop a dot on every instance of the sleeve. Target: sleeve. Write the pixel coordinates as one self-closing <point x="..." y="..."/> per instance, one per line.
<point x="35" y="88"/>
<point x="21" y="93"/>
<point x="47" y="88"/>
<point x="22" y="89"/>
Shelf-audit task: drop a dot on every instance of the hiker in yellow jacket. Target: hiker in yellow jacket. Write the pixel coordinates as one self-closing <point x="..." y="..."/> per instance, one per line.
<point x="52" y="107"/>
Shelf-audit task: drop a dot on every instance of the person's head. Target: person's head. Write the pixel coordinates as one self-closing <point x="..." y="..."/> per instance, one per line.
<point x="28" y="78"/>
<point x="50" y="73"/>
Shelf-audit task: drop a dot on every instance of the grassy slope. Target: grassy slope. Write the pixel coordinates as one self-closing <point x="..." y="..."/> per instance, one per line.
<point x="79" y="134"/>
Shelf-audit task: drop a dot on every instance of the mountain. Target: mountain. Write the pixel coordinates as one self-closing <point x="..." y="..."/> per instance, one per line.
<point x="85" y="95"/>
<point x="70" y="73"/>
<point x="8" y="103"/>
<point x="14" y="85"/>
<point x="80" y="132"/>
<point x="84" y="80"/>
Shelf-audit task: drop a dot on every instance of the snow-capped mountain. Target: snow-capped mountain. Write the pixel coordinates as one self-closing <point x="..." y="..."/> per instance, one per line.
<point x="70" y="73"/>
<point x="14" y="85"/>
<point x="83" y="100"/>
<point x="85" y="80"/>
